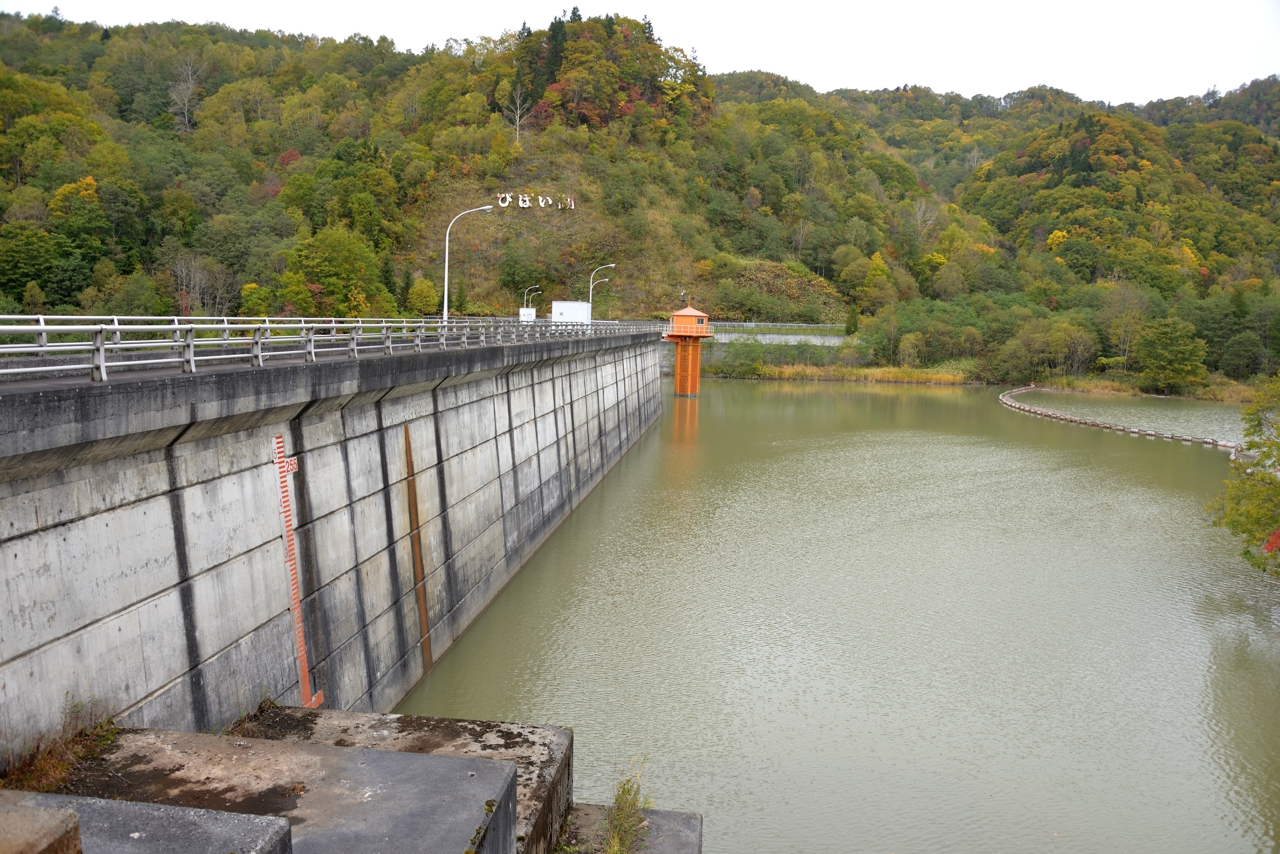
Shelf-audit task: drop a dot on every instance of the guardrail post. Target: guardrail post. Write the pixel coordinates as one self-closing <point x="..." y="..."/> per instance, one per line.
<point x="353" y="346"/>
<point x="189" y="350"/>
<point x="255" y="352"/>
<point x="309" y="335"/>
<point x="417" y="337"/>
<point x="386" y="338"/>
<point x="115" y="333"/>
<point x="42" y="338"/>
<point x="226" y="332"/>
<point x="98" y="373"/>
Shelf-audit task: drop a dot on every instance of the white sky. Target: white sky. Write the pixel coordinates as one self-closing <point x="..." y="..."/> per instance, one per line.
<point x="1108" y="50"/>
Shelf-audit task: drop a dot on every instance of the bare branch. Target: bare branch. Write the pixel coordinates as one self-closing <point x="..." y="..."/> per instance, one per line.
<point x="184" y="93"/>
<point x="517" y="109"/>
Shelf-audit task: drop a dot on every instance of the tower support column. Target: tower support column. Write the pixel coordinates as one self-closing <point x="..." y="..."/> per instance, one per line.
<point x="688" y="366"/>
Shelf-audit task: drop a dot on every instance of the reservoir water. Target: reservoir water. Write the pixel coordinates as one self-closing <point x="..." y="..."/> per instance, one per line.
<point x="838" y="617"/>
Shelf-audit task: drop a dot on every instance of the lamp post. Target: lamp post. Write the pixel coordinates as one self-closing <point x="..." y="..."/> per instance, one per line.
<point x="591" y="289"/>
<point x="531" y="296"/>
<point x="445" y="305"/>
<point x="526" y="295"/>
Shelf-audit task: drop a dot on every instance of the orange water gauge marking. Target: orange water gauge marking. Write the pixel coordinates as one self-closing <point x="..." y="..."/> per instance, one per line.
<point x="688" y="327"/>
<point x="284" y="467"/>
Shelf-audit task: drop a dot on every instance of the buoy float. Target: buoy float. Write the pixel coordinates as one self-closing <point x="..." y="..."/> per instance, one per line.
<point x="1007" y="399"/>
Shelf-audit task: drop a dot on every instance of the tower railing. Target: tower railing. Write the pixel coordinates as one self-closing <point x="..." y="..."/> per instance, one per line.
<point x="673" y="328"/>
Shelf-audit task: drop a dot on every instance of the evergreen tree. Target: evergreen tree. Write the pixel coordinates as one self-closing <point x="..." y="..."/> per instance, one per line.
<point x="1172" y="358"/>
<point x="387" y="272"/>
<point x="406" y="283"/>
<point x="458" y="299"/>
<point x="556" y="38"/>
<point x="1238" y="304"/>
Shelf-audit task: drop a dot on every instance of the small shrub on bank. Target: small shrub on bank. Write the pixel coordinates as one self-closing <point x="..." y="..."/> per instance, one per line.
<point x="626" y="827"/>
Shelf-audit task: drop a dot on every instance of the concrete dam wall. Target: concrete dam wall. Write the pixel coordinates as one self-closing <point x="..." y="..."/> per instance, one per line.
<point x="156" y="530"/>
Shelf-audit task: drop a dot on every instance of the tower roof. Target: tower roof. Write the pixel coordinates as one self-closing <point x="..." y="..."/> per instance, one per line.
<point x="688" y="311"/>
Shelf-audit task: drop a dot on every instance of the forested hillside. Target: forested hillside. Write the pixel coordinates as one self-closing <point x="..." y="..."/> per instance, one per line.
<point x="175" y="168"/>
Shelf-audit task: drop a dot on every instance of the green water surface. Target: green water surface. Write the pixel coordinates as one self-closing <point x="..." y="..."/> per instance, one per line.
<point x="884" y="619"/>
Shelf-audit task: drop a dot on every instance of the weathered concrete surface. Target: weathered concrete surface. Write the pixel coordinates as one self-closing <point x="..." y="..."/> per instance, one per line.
<point x="33" y="827"/>
<point x="667" y="832"/>
<point x="142" y="548"/>
<point x="123" y="827"/>
<point x="543" y="754"/>
<point x="337" y="800"/>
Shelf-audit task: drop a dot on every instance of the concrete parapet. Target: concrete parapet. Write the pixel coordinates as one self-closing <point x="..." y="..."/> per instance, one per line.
<point x="143" y="546"/>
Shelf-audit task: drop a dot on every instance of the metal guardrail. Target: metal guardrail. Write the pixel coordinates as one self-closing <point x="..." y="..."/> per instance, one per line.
<point x="194" y="341"/>
<point x="783" y="328"/>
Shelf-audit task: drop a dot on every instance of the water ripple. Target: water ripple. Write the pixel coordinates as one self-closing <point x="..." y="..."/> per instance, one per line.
<point x="851" y="619"/>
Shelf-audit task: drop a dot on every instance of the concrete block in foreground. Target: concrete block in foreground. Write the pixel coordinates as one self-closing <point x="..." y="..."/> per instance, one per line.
<point x="543" y="754"/>
<point x="31" y="828"/>
<point x="673" y="832"/>
<point x="337" y="800"/>
<point x="122" y="827"/>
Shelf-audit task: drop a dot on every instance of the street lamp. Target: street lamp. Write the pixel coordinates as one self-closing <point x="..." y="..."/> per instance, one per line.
<point x="592" y="287"/>
<point x="485" y="208"/>
<point x="529" y="296"/>
<point x="526" y="295"/>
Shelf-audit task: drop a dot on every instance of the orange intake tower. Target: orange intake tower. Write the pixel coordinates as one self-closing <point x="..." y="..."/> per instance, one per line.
<point x="688" y="327"/>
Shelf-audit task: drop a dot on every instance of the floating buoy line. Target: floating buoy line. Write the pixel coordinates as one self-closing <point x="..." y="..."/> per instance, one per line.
<point x="1007" y="400"/>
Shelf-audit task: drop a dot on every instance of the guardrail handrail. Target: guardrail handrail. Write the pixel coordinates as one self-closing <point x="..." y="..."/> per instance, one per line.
<point x="807" y="328"/>
<point x="190" y="341"/>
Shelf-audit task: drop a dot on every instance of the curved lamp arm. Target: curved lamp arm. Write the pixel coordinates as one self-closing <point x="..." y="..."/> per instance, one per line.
<point x="592" y="287"/>
<point x="445" y="303"/>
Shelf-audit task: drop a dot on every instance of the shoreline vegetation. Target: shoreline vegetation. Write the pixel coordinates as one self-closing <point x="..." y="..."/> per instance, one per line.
<point x="750" y="359"/>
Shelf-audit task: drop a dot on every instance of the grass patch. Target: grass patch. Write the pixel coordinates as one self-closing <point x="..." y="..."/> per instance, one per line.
<point x="940" y="375"/>
<point x="626" y="827"/>
<point x="87" y="730"/>
<point x="1092" y="384"/>
<point x="1226" y="390"/>
<point x="1219" y="388"/>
